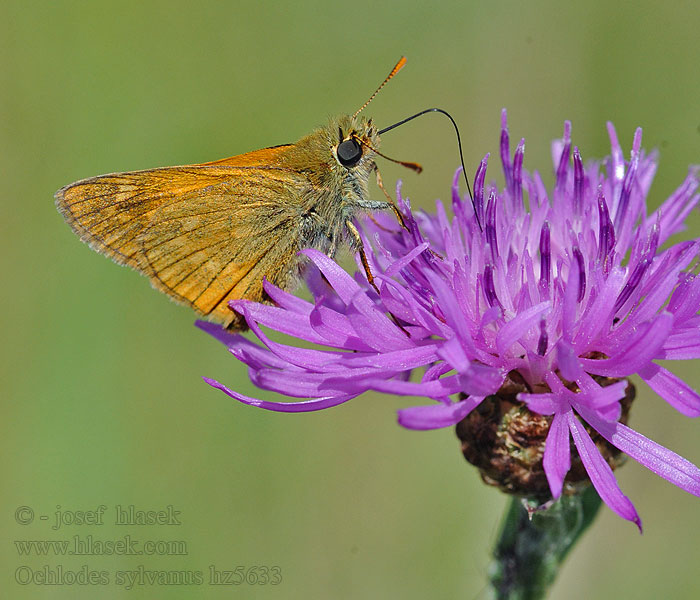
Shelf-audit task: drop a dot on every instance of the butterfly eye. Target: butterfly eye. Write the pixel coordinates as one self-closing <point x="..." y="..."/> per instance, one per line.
<point x="349" y="153"/>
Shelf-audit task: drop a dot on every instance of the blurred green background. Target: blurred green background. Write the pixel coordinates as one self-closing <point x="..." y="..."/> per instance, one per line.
<point x="102" y="396"/>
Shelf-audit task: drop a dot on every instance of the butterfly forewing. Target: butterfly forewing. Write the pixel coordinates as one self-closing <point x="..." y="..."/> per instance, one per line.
<point x="204" y="234"/>
<point x="208" y="249"/>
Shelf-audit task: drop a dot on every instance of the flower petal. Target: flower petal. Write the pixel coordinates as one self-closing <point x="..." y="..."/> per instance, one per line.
<point x="288" y="301"/>
<point x="684" y="345"/>
<point x="480" y="380"/>
<point x="636" y="353"/>
<point x="557" y="454"/>
<point x="305" y="384"/>
<point x="344" y="285"/>
<point x="335" y="329"/>
<point x="600" y="473"/>
<point x="543" y="404"/>
<point x="242" y="348"/>
<point x="278" y="319"/>
<point x="374" y="327"/>
<point x="672" y="389"/>
<point x="445" y="386"/>
<point x="437" y="416"/>
<point x="653" y="456"/>
<point x="568" y="362"/>
<point x="306" y="406"/>
<point x="514" y="329"/>
<point x="400" y="263"/>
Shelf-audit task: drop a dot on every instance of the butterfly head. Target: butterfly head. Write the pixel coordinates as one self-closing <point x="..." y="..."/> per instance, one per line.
<point x="356" y="142"/>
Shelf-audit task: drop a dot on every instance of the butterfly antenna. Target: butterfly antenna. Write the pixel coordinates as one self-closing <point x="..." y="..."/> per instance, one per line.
<point x="459" y="144"/>
<point x="394" y="71"/>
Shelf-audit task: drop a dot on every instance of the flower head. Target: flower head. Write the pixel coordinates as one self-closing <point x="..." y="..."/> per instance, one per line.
<point x="565" y="292"/>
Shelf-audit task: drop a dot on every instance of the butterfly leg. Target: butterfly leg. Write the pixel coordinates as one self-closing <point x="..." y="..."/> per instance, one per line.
<point x="390" y="204"/>
<point x="361" y="249"/>
<point x="390" y="201"/>
<point x="365" y="264"/>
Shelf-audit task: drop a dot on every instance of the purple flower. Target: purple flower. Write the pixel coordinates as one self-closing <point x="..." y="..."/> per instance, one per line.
<point x="573" y="290"/>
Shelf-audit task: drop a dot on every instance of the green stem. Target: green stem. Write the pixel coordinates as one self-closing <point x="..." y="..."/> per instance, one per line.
<point x="529" y="552"/>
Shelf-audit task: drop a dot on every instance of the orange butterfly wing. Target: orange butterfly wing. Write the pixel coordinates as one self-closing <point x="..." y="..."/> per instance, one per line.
<point x="204" y="234"/>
